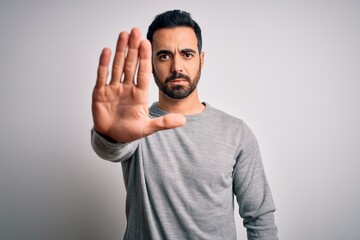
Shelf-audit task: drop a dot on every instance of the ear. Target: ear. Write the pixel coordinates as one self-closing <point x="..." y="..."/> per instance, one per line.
<point x="202" y="55"/>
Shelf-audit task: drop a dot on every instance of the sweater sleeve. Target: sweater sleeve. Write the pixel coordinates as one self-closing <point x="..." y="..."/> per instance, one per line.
<point x="115" y="152"/>
<point x="252" y="191"/>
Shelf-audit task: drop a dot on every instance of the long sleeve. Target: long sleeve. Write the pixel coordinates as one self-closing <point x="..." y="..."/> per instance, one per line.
<point x="115" y="152"/>
<point x="256" y="205"/>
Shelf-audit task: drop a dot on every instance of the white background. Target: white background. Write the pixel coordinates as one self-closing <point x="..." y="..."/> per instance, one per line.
<point x="290" y="69"/>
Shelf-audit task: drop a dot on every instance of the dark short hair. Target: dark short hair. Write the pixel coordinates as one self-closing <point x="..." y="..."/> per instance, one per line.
<point x="172" y="19"/>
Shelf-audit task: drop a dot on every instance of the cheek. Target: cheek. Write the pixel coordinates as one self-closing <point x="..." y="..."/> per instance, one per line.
<point x="161" y="70"/>
<point x="193" y="69"/>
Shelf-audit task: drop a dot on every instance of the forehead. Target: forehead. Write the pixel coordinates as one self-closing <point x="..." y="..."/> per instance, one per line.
<point x="178" y="37"/>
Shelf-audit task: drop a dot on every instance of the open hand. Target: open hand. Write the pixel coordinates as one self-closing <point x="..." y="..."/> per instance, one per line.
<point x="120" y="108"/>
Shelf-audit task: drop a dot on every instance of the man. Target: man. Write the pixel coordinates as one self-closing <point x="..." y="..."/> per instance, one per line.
<point x="181" y="181"/>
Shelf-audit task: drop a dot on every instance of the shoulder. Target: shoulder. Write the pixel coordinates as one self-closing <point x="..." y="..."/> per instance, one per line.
<point x="230" y="123"/>
<point x="223" y="116"/>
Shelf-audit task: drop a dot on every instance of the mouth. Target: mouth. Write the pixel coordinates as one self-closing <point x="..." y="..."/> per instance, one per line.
<point x="176" y="80"/>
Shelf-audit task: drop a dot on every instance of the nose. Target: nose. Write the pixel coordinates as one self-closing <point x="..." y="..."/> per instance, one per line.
<point x="177" y="64"/>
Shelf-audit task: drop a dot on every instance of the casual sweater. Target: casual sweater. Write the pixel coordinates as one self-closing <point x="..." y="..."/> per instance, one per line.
<point x="181" y="182"/>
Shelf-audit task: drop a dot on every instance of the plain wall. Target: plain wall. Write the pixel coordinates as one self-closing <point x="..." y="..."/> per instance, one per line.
<point x="290" y="69"/>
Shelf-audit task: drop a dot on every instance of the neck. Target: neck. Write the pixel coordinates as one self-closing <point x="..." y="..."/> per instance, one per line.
<point x="187" y="106"/>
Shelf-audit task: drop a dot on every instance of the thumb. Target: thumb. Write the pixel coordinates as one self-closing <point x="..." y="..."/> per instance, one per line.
<point x="169" y="121"/>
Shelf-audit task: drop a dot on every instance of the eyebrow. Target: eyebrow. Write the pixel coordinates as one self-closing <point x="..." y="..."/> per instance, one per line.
<point x="163" y="52"/>
<point x="188" y="50"/>
<point x="185" y="50"/>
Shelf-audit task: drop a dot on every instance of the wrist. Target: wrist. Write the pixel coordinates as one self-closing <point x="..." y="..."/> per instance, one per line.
<point x="106" y="137"/>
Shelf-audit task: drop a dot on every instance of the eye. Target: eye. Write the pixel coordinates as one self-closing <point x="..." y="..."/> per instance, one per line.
<point x="188" y="55"/>
<point x="164" y="57"/>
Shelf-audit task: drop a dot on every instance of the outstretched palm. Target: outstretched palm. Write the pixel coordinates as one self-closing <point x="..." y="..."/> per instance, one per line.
<point x="120" y="108"/>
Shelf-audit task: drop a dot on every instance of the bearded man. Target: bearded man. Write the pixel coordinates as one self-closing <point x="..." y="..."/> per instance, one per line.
<point x="183" y="160"/>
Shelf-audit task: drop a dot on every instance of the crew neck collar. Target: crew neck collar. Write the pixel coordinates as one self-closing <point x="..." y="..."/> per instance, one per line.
<point x="156" y="111"/>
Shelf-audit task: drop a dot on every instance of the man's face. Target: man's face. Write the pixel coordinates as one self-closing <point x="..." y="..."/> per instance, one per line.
<point x="176" y="61"/>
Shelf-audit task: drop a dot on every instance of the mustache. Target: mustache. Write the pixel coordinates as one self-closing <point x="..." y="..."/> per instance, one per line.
<point x="176" y="75"/>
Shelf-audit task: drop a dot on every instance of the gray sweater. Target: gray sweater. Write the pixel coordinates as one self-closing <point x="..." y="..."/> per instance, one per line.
<point x="181" y="182"/>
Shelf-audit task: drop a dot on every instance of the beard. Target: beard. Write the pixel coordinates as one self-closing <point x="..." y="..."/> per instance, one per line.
<point x="177" y="91"/>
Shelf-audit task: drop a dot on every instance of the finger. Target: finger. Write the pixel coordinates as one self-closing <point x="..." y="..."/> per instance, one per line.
<point x="169" y="121"/>
<point x="103" y="69"/>
<point x="132" y="56"/>
<point x="145" y="66"/>
<point x="119" y="59"/>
